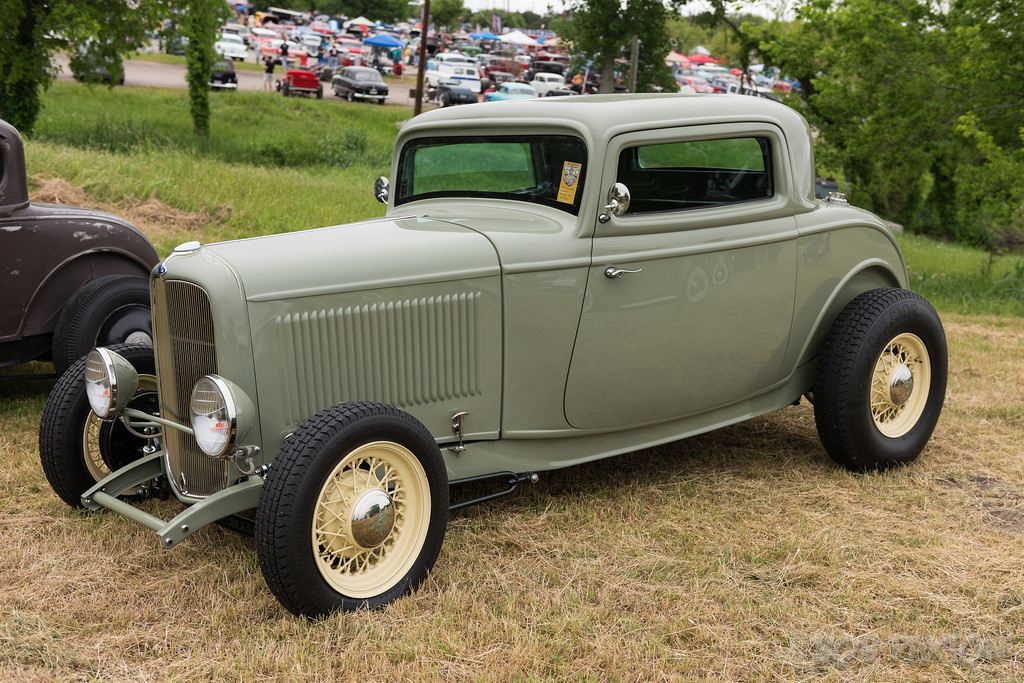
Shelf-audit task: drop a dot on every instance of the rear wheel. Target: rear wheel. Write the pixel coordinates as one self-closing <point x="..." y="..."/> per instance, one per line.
<point x="881" y="380"/>
<point x="77" y="448"/>
<point x="353" y="511"/>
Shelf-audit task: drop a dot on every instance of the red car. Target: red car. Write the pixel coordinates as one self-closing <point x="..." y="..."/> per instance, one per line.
<point x="698" y="84"/>
<point x="300" y="82"/>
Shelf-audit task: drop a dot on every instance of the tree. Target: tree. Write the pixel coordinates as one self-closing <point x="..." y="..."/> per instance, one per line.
<point x="447" y="13"/>
<point x="200" y="21"/>
<point x="97" y="33"/>
<point x="918" y="103"/>
<point x="603" y="30"/>
<point x="376" y="10"/>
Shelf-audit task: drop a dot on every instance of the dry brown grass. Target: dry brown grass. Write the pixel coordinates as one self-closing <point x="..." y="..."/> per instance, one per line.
<point x="739" y="555"/>
<point x="153" y="217"/>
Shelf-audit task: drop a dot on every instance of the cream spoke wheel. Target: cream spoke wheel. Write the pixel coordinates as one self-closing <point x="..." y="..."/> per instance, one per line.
<point x="881" y="380"/>
<point x="353" y="510"/>
<point x="899" y="385"/>
<point x="76" y="448"/>
<point x="371" y="519"/>
<point x="92" y="454"/>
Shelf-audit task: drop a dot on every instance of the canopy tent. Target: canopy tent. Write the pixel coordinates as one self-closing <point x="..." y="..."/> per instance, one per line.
<point x="484" y="35"/>
<point x="676" y="58"/>
<point x="383" y="40"/>
<point x="360" y="21"/>
<point x="702" y="59"/>
<point x="517" y="37"/>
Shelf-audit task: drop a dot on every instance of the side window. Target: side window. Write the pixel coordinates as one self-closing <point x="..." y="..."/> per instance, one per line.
<point x="696" y="174"/>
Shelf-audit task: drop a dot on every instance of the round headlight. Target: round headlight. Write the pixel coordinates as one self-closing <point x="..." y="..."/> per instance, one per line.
<point x="109" y="381"/>
<point x="214" y="416"/>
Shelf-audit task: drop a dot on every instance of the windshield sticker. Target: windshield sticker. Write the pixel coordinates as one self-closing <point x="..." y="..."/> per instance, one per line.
<point x="567" y="186"/>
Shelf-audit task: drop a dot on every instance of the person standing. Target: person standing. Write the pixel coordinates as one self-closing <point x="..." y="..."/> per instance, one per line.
<point x="284" y="55"/>
<point x="268" y="71"/>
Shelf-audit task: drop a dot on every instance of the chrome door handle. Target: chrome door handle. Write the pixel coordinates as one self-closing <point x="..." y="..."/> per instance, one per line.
<point x="613" y="272"/>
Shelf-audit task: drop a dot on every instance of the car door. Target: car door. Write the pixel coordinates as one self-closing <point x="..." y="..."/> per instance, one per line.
<point x="689" y="299"/>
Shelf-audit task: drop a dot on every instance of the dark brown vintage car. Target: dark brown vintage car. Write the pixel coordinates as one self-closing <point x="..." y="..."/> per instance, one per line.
<point x="70" y="278"/>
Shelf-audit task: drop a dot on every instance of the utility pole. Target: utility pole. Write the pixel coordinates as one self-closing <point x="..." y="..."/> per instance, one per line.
<point x="417" y="106"/>
<point x="634" y="62"/>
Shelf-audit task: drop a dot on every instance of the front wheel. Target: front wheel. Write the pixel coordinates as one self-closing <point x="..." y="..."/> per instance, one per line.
<point x="77" y="448"/>
<point x="881" y="380"/>
<point x="353" y="511"/>
<point x="109" y="310"/>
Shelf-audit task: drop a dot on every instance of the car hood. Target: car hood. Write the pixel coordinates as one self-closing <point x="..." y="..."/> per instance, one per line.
<point x="360" y="256"/>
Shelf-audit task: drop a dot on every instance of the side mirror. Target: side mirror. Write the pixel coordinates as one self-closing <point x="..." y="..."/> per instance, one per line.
<point x="618" y="202"/>
<point x="380" y="189"/>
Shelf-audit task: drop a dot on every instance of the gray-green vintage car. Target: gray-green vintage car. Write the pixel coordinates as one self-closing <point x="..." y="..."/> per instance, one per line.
<point x="554" y="281"/>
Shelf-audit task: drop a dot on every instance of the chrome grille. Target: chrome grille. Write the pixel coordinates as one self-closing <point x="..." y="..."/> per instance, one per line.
<point x="185" y="351"/>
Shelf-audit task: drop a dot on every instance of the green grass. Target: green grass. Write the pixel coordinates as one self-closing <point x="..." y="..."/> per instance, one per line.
<point x="964" y="279"/>
<point x="246" y="128"/>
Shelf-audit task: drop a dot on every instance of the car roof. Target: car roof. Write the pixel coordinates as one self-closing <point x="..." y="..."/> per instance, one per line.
<point x="597" y="118"/>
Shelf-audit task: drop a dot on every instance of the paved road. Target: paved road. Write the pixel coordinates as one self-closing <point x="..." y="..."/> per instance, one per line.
<point x="142" y="72"/>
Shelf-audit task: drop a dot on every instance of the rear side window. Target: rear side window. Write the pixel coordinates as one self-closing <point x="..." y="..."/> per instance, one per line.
<point x="696" y="174"/>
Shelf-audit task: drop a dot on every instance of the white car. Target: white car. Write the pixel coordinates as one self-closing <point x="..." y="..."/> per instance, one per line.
<point x="231" y="46"/>
<point x="542" y="82"/>
<point x="465" y="73"/>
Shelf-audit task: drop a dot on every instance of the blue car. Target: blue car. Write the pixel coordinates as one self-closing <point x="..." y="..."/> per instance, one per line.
<point x="511" y="91"/>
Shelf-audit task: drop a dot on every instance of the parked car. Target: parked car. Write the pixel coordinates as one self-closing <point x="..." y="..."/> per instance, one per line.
<point x="450" y="92"/>
<point x="560" y="92"/>
<point x="511" y="91"/>
<point x="88" y="67"/>
<point x="698" y="84"/>
<point x="554" y="281"/>
<point x="223" y="76"/>
<point x="232" y="46"/>
<point x="495" y="78"/>
<point x="466" y="73"/>
<point x="360" y="83"/>
<point x="72" y="278"/>
<point x="542" y="82"/>
<point x="272" y="48"/>
<point x="300" y="82"/>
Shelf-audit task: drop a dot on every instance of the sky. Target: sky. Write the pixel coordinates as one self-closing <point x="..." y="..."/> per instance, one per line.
<point x="765" y="8"/>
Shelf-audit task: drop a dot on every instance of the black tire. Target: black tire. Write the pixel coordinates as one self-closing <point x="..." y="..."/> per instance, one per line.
<point x="349" y="96"/>
<point x="76" y="448"/>
<point x="286" y="89"/>
<point x="446" y="100"/>
<point x="320" y="92"/>
<point x="881" y="380"/>
<point x="110" y="310"/>
<point x="337" y="447"/>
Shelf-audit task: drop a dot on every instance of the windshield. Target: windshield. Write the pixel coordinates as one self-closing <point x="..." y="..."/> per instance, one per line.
<point x="542" y="169"/>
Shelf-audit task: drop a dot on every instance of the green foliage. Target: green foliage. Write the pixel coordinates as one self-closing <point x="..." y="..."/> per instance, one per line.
<point x="589" y="32"/>
<point x="887" y="86"/>
<point x="199" y="23"/>
<point x="375" y="10"/>
<point x="991" y="193"/>
<point x="95" y="34"/>
<point x="447" y="13"/>
<point x="22" y="69"/>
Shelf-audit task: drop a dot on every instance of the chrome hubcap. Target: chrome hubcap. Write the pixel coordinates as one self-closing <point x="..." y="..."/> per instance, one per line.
<point x="373" y="518"/>
<point x="901" y="385"/>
